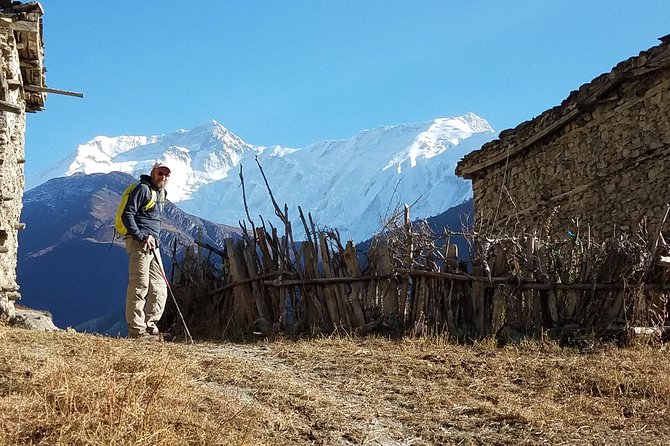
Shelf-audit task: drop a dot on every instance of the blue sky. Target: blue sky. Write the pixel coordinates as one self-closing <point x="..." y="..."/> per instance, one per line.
<point x="297" y="71"/>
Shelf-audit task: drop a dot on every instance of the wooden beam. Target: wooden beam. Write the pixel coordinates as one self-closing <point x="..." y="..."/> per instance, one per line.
<point x="34" y="64"/>
<point x="325" y="280"/>
<point x="15" y="83"/>
<point x="25" y="7"/>
<point x="26" y="26"/>
<point x="215" y="250"/>
<point x="37" y="89"/>
<point x="493" y="282"/>
<point x="11" y="108"/>
<point x="452" y="276"/>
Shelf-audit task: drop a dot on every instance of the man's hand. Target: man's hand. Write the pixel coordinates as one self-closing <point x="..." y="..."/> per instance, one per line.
<point x="150" y="243"/>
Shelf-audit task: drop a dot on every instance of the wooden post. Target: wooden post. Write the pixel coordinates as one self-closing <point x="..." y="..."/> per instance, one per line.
<point x="478" y="290"/>
<point x="387" y="289"/>
<point x="452" y="258"/>
<point x="451" y="265"/>
<point x="242" y="299"/>
<point x="616" y="308"/>
<point x="343" y="303"/>
<point x="257" y="290"/>
<point x="408" y="265"/>
<point x="499" y="270"/>
<point x="357" y="288"/>
<point x="261" y="238"/>
<point x="548" y="297"/>
<point x="371" y="301"/>
<point x="270" y="264"/>
<point x="331" y="298"/>
<point x="317" y="314"/>
<point x="514" y="303"/>
<point x="573" y="299"/>
<point x="419" y="291"/>
<point x="536" y="301"/>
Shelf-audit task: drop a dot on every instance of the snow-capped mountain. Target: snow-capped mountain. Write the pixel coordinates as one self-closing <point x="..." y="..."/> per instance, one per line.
<point x="351" y="184"/>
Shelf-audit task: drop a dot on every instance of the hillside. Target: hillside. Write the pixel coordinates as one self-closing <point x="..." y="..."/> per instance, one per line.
<point x="69" y="388"/>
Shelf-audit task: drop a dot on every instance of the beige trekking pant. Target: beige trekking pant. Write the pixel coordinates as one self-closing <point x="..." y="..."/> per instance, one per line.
<point x="147" y="292"/>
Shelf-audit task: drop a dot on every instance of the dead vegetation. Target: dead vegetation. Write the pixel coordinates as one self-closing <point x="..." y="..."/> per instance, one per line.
<point x="76" y="389"/>
<point x="411" y="281"/>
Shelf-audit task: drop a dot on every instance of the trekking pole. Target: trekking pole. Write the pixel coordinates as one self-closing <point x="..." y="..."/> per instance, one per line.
<point x="157" y="255"/>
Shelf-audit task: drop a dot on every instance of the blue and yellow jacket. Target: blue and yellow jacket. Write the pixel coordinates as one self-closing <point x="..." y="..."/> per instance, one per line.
<point x="141" y="222"/>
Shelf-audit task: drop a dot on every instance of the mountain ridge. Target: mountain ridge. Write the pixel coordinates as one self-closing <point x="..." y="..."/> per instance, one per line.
<point x="349" y="183"/>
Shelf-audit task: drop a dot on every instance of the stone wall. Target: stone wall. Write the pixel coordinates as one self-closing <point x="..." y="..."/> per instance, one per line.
<point x="21" y="82"/>
<point x="601" y="160"/>
<point x="12" y="129"/>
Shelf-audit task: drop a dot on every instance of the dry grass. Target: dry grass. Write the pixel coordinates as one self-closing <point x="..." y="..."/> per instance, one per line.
<point x="69" y="388"/>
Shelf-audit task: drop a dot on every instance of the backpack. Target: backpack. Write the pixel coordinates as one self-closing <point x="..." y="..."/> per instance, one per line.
<point x="118" y="223"/>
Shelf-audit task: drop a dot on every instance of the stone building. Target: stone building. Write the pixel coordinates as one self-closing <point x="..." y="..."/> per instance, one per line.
<point x="599" y="162"/>
<point x="22" y="89"/>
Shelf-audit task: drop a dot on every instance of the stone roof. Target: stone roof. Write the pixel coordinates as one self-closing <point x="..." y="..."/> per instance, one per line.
<point x="525" y="136"/>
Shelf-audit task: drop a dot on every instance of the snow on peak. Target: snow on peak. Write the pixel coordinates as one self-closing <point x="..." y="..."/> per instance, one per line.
<point x="436" y="137"/>
<point x="353" y="184"/>
<point x="278" y="151"/>
<point x="349" y="184"/>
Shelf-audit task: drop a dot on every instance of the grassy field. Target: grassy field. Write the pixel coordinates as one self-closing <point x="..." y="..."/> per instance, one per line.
<point x="76" y="389"/>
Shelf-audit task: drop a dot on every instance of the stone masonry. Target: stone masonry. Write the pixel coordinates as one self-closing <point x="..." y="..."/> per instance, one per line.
<point x="600" y="160"/>
<point x="21" y="90"/>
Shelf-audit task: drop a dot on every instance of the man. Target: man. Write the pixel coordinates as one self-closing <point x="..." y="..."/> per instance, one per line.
<point x="147" y="291"/>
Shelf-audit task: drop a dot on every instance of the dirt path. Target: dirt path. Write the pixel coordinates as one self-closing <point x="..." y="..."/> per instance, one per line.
<point x="335" y="416"/>
<point x="344" y="391"/>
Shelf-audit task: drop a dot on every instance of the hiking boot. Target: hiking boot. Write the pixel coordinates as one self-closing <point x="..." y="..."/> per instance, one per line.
<point x="146" y="337"/>
<point x="153" y="330"/>
<point x="167" y="337"/>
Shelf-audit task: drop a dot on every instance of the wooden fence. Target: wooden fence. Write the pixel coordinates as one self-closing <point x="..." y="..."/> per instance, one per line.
<point x="410" y="281"/>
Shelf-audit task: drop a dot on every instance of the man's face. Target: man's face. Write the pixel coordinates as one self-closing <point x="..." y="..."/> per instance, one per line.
<point x="160" y="177"/>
